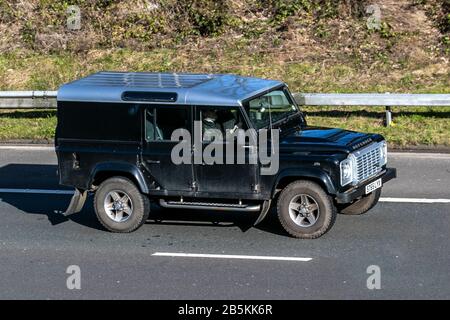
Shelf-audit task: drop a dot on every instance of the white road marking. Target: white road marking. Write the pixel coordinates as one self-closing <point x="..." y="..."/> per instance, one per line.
<point x="418" y="155"/>
<point x="27" y="148"/>
<point x="70" y="192"/>
<point x="414" y="200"/>
<point x="36" y="191"/>
<point x="228" y="256"/>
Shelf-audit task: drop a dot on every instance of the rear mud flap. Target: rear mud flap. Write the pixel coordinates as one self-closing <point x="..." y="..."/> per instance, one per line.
<point x="264" y="210"/>
<point x="77" y="202"/>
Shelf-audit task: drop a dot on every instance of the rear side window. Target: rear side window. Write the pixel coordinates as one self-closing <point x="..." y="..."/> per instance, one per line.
<point x="99" y="121"/>
<point x="160" y="122"/>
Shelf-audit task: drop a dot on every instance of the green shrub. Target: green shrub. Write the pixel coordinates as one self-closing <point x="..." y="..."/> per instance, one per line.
<point x="206" y="17"/>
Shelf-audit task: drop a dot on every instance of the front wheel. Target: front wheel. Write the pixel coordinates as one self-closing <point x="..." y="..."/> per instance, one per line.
<point x="362" y="205"/>
<point x="120" y="206"/>
<point x="305" y="210"/>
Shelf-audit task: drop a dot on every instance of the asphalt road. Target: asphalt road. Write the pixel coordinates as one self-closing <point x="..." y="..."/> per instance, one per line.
<point x="409" y="242"/>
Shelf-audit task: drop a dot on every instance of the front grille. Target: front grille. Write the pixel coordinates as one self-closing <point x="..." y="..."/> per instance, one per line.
<point x="368" y="162"/>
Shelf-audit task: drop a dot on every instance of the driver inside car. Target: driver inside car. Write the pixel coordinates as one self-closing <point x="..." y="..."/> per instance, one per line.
<point x="211" y="127"/>
<point x="231" y="122"/>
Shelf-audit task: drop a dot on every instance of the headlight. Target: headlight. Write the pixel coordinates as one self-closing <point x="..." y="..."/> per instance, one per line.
<point x="346" y="171"/>
<point x="383" y="153"/>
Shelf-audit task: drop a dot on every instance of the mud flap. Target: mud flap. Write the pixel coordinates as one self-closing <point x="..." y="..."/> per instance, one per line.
<point x="264" y="210"/>
<point x="77" y="202"/>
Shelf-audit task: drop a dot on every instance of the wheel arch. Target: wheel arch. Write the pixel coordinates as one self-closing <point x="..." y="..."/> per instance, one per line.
<point x="104" y="171"/>
<point x="315" y="175"/>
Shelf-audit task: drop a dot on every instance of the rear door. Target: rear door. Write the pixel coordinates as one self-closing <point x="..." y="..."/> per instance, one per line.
<point x="159" y="123"/>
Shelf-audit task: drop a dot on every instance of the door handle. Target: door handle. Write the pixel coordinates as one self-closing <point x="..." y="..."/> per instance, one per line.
<point x="153" y="161"/>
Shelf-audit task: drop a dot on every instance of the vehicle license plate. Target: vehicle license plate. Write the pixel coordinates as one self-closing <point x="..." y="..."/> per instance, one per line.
<point x="373" y="186"/>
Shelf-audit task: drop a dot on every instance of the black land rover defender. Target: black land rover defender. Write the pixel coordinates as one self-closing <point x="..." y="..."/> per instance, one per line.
<point x="115" y="138"/>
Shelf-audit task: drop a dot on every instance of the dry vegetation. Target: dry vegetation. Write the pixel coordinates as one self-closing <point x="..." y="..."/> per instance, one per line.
<point x="315" y="46"/>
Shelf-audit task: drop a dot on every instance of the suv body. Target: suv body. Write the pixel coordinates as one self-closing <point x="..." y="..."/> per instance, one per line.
<point x="113" y="138"/>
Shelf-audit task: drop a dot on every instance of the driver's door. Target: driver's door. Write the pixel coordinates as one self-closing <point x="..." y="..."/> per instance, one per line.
<point x="225" y="178"/>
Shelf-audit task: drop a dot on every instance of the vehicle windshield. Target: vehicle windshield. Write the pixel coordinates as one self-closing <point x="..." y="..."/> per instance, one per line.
<point x="270" y="108"/>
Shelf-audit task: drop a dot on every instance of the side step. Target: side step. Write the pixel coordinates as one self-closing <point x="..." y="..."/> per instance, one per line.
<point x="209" y="206"/>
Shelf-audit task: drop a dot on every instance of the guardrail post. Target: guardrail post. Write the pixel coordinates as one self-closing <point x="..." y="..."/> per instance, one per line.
<point x="388" y="119"/>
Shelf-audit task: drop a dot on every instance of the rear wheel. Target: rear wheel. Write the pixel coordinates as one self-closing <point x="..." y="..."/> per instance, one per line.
<point x="305" y="210"/>
<point x="362" y="205"/>
<point x="120" y="206"/>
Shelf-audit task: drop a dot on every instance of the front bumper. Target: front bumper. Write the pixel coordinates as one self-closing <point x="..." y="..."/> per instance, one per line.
<point x="360" y="190"/>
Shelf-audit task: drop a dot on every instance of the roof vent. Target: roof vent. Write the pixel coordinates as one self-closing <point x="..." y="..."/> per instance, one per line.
<point x="149" y="96"/>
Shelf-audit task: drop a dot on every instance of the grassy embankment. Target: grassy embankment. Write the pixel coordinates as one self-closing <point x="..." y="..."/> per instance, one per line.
<point x="314" y="46"/>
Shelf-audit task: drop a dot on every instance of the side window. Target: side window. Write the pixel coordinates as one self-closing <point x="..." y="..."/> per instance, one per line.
<point x="220" y="120"/>
<point x="272" y="106"/>
<point x="160" y="122"/>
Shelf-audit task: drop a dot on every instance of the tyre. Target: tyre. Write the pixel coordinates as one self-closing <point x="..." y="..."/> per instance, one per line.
<point x="305" y="210"/>
<point x="120" y="206"/>
<point x="362" y="205"/>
